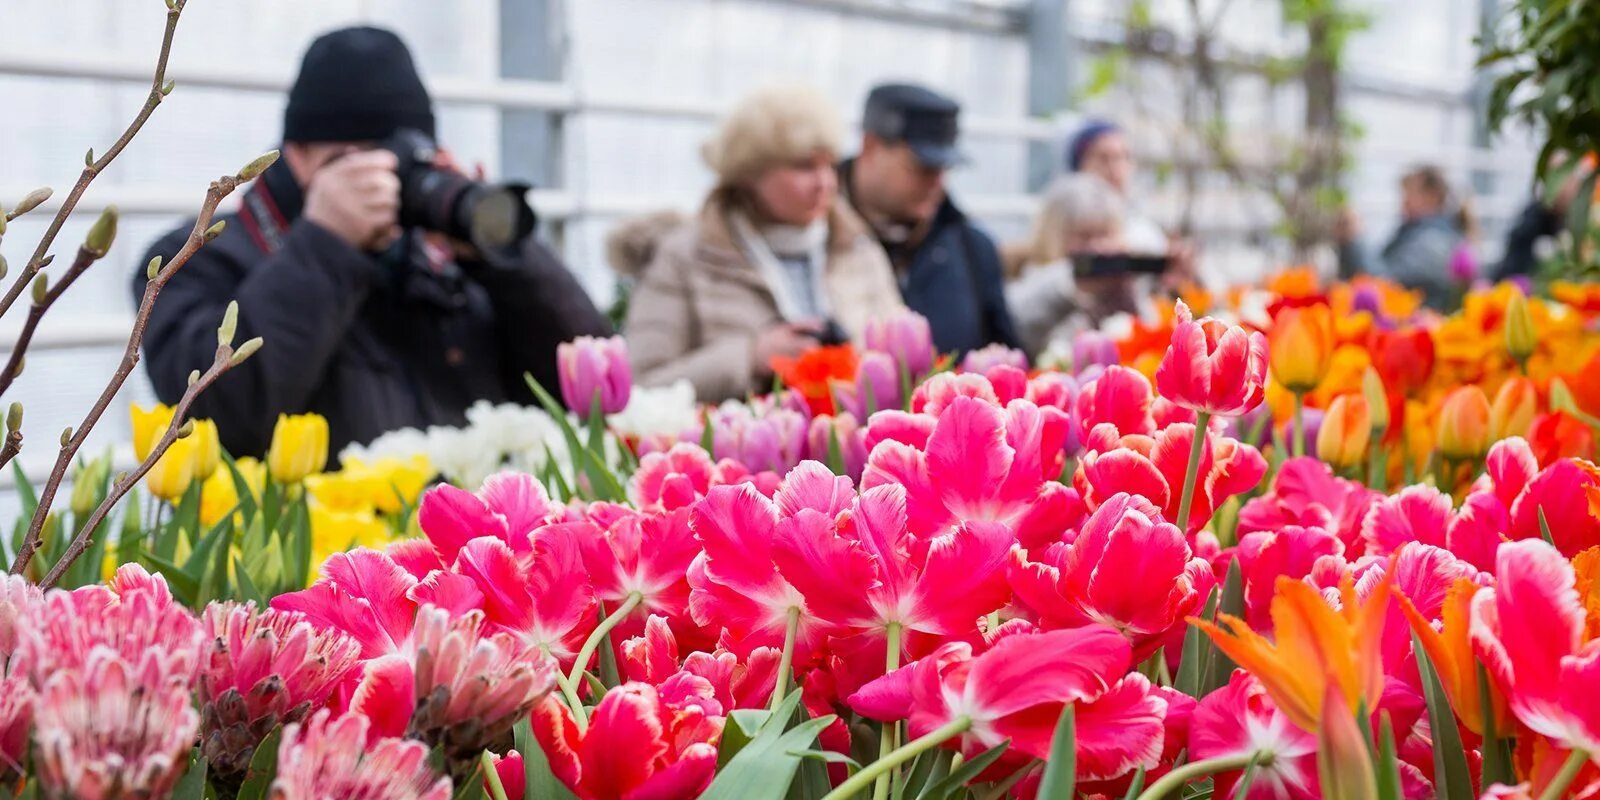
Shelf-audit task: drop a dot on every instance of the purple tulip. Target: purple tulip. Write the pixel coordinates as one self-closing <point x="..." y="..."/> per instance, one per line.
<point x="852" y="442"/>
<point x="589" y="367"/>
<point x="904" y="336"/>
<point x="995" y="355"/>
<point x="1093" y="348"/>
<point x="877" y="377"/>
<point x="1463" y="264"/>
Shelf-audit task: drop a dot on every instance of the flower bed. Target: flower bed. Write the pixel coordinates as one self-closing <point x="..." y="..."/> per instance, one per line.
<point x="1318" y="544"/>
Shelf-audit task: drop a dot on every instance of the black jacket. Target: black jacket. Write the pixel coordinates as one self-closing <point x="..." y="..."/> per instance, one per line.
<point x="952" y="276"/>
<point x="1536" y="222"/>
<point x="371" y="343"/>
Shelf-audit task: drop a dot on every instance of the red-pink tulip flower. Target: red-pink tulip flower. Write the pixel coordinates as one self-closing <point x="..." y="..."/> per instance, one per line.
<point x="593" y="368"/>
<point x="471" y="686"/>
<point x="1415" y="514"/>
<point x="545" y="601"/>
<point x="906" y="337"/>
<point x="509" y="506"/>
<point x="1119" y="396"/>
<point x="1069" y="586"/>
<point x="1016" y="690"/>
<point x="1264" y="556"/>
<point x="673" y="479"/>
<point x="1239" y="720"/>
<point x="1212" y="367"/>
<point x="641" y="561"/>
<point x="17" y="700"/>
<point x="1155" y="468"/>
<point x="334" y="757"/>
<point x="110" y="728"/>
<point x="1307" y="493"/>
<point x="365" y="594"/>
<point x="634" y="747"/>
<point x="260" y="670"/>
<point x="1530" y="631"/>
<point x="653" y="658"/>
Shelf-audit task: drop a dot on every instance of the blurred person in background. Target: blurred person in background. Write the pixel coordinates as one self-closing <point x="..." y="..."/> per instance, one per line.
<point x="1430" y="250"/>
<point x="1543" y="218"/>
<point x="1079" y="215"/>
<point x="1101" y="148"/>
<point x="948" y="270"/>
<point x="775" y="263"/>
<point x="370" y="322"/>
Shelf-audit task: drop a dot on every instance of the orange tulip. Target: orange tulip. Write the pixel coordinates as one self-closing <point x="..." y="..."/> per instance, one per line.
<point x="1346" y="429"/>
<point x="1317" y="647"/>
<point x="1301" y="346"/>
<point x="1586" y="565"/>
<point x="1450" y="650"/>
<point x="1513" y="409"/>
<point x="1464" y="424"/>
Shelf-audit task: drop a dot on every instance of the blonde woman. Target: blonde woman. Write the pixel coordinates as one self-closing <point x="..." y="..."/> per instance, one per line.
<point x="1078" y="213"/>
<point x="774" y="264"/>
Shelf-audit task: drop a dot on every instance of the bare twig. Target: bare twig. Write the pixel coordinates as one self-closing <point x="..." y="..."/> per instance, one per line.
<point x="86" y="255"/>
<point x="223" y="361"/>
<point x="202" y="232"/>
<point x="13" y="440"/>
<point x="159" y="87"/>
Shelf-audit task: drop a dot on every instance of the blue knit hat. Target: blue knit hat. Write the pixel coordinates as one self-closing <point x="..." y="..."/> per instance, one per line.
<point x="1080" y="142"/>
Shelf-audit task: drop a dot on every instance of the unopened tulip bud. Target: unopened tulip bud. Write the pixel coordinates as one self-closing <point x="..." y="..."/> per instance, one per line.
<point x="299" y="447"/>
<point x="1464" y="424"/>
<point x="153" y="269"/>
<point x="31" y="201"/>
<point x="907" y="337"/>
<point x="14" y="417"/>
<point x="102" y="233"/>
<point x="230" y="322"/>
<point x="188" y="428"/>
<point x="1521" y="338"/>
<point x="66" y="435"/>
<point x="1344" y="762"/>
<point x="245" y="351"/>
<point x="1346" y="430"/>
<point x="41" y="288"/>
<point x="1377" y="399"/>
<point x="1513" y="410"/>
<point x="1300" y="347"/>
<point x="216" y="229"/>
<point x="591" y="367"/>
<point x="254" y="169"/>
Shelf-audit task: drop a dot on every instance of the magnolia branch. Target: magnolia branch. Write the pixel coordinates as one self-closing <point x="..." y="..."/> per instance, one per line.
<point x="225" y="360"/>
<point x="159" y="88"/>
<point x="73" y="439"/>
<point x="86" y="256"/>
<point x="11" y="447"/>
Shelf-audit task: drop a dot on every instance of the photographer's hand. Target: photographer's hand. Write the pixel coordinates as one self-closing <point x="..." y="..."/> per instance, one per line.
<point x="357" y="198"/>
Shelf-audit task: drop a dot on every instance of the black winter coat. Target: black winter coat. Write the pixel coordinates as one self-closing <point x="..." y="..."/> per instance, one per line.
<point x="373" y="344"/>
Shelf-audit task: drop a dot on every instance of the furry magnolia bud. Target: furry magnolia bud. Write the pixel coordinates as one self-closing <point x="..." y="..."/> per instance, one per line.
<point x="153" y="269"/>
<point x="14" y="418"/>
<point x="31" y="201"/>
<point x="194" y="377"/>
<point x="41" y="288"/>
<point x="166" y="88"/>
<point x="4" y="267"/>
<point x="230" y="323"/>
<point x="187" y="429"/>
<point x="216" y="229"/>
<point x="66" y="436"/>
<point x="254" y="169"/>
<point x="102" y="233"/>
<point x="88" y="157"/>
<point x="245" y="351"/>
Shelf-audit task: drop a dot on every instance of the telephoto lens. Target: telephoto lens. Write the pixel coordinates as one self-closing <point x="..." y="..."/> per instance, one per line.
<point x="491" y="216"/>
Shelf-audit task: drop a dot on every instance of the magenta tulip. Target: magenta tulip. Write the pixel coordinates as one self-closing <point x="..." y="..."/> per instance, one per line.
<point x="590" y="366"/>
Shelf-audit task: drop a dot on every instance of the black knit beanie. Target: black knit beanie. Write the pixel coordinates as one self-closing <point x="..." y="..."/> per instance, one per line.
<point x="356" y="84"/>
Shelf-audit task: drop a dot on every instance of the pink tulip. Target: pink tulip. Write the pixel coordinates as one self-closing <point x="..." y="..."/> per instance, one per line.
<point x="906" y="337"/>
<point x="1264" y="556"/>
<point x="544" y="600"/>
<point x="1155" y="468"/>
<point x="508" y="507"/>
<point x="1416" y="514"/>
<point x="995" y="355"/>
<point x="134" y="616"/>
<point x="1120" y="396"/>
<point x="591" y="367"/>
<point x="645" y="555"/>
<point x="1093" y="348"/>
<point x="734" y="683"/>
<point x="636" y="746"/>
<point x="673" y="479"/>
<point x="1307" y="493"/>
<point x="334" y="757"/>
<point x="1212" y="367"/>
<point x="877" y="378"/>
<point x="17" y="701"/>
<point x="1241" y="718"/>
<point x="851" y="437"/>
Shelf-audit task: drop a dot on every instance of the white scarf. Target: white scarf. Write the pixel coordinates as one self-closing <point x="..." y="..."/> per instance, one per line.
<point x="762" y="248"/>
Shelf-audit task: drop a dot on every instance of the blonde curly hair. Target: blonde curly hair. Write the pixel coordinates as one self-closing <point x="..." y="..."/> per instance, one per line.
<point x="772" y="126"/>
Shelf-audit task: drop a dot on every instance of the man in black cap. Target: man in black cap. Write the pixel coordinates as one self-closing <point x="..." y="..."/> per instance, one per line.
<point x="949" y="270"/>
<point x="369" y="324"/>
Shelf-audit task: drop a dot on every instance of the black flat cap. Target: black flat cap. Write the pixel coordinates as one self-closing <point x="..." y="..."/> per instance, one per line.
<point x="922" y="118"/>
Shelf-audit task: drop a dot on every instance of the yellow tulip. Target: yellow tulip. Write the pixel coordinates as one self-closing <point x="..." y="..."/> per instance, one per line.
<point x="400" y="481"/>
<point x="299" y="447"/>
<point x="171" y="475"/>
<point x="335" y="531"/>
<point x="1346" y="430"/>
<point x="218" y="497"/>
<point x="1464" y="424"/>
<point x="1513" y="410"/>
<point x="1300" y="345"/>
<point x="208" y="448"/>
<point x="148" y="424"/>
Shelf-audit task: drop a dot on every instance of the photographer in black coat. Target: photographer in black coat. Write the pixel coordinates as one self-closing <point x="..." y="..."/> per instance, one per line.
<point x="391" y="290"/>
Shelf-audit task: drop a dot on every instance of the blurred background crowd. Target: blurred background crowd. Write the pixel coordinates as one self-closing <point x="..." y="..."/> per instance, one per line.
<point x="732" y="180"/>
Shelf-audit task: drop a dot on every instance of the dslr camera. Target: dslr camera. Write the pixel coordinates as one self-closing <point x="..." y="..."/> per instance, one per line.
<point x="490" y="216"/>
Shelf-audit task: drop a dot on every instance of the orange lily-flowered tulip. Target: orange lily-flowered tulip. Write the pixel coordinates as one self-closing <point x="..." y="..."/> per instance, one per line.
<point x="1513" y="409"/>
<point x="1346" y="428"/>
<point x="1586" y="565"/>
<point x="1317" y="646"/>
<point x="1450" y="650"/>
<point x="1300" y="346"/>
<point x="1344" y="762"/>
<point x="1464" y="424"/>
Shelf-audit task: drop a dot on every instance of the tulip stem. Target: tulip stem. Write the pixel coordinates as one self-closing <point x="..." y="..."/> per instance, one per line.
<point x="861" y="780"/>
<point x="1175" y="779"/>
<point x="891" y="730"/>
<point x="791" y="630"/>
<point x="580" y="718"/>
<point x="1569" y="772"/>
<point x="1299" y="424"/>
<point x="1378" y="464"/>
<point x="1202" y="423"/>
<point x="491" y="776"/>
<point x="599" y="635"/>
